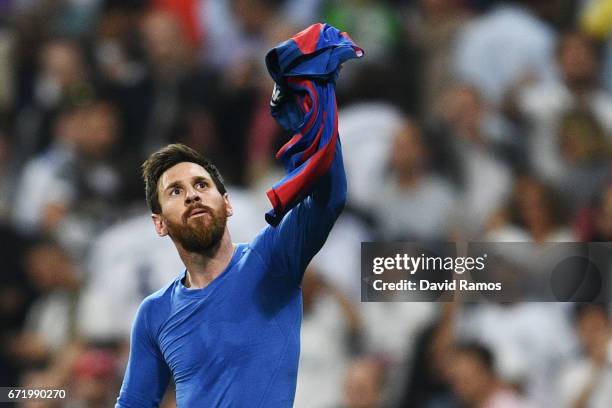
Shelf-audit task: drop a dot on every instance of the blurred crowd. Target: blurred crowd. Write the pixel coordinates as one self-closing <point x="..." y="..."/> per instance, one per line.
<point x="467" y="120"/>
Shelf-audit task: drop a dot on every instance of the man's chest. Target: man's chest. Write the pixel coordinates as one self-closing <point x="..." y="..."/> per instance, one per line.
<point x="230" y="332"/>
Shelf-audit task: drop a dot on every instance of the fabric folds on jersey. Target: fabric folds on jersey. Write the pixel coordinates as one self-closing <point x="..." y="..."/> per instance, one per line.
<point x="305" y="69"/>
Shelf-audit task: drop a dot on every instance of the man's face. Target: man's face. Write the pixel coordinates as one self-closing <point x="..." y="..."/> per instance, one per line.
<point x="193" y="211"/>
<point x="468" y="377"/>
<point x="603" y="215"/>
<point x="578" y="62"/>
<point x="97" y="132"/>
<point x="408" y="151"/>
<point x="592" y="328"/>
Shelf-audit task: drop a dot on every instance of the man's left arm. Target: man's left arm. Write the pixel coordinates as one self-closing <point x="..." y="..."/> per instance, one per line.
<point x="291" y="245"/>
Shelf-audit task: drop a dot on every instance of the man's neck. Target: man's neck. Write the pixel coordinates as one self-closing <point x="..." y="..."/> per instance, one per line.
<point x="204" y="267"/>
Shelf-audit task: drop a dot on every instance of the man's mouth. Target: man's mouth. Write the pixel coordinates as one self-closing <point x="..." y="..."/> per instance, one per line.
<point x="197" y="212"/>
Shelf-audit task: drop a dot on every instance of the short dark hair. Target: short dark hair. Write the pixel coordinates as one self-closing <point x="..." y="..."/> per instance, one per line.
<point x="169" y="156"/>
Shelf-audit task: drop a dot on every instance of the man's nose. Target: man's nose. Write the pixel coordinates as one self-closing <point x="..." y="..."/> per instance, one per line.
<point x="192" y="196"/>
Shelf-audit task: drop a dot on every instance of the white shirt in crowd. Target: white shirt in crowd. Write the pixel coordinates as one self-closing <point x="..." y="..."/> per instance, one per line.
<point x="503" y="47"/>
<point x="543" y="105"/>
<point x="576" y="375"/>
<point x="424" y="211"/>
<point x="324" y="355"/>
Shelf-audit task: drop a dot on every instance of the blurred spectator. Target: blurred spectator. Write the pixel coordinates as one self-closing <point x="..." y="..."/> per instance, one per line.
<point x="370" y="128"/>
<point x="425" y="379"/>
<point x="70" y="190"/>
<point x="435" y="30"/>
<point x="329" y="319"/>
<point x="236" y="30"/>
<point x="115" y="51"/>
<point x="472" y="376"/>
<point x="38" y="380"/>
<point x="50" y="320"/>
<point x="42" y="184"/>
<point x="155" y="81"/>
<point x="586" y="380"/>
<point x="171" y="74"/>
<point x="469" y="117"/>
<point x="544" y="106"/>
<point x="7" y="67"/>
<point x="392" y="70"/>
<point x="16" y="296"/>
<point x="506" y="46"/>
<point x="595" y="21"/>
<point x="412" y="203"/>
<point x="165" y="45"/>
<point x="239" y="33"/>
<point x="586" y="153"/>
<point x="607" y="67"/>
<point x="595" y="224"/>
<point x="364" y="384"/>
<point x="256" y="137"/>
<point x="524" y="357"/>
<point x="374" y="25"/>
<point x="94" y="381"/>
<point x="55" y="374"/>
<point x="66" y="17"/>
<point x="7" y="182"/>
<point x="187" y="13"/>
<point x="533" y="215"/>
<point x="302" y="13"/>
<point x="62" y="78"/>
<point x="391" y="330"/>
<point x="458" y="373"/>
<point x="478" y="140"/>
<point x="124" y="75"/>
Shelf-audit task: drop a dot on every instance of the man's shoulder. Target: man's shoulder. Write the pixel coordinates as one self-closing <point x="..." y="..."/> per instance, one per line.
<point x="154" y="310"/>
<point x="157" y="301"/>
<point x="264" y="240"/>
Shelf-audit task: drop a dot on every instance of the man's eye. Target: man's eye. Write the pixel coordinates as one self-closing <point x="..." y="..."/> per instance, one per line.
<point x="175" y="191"/>
<point x="201" y="184"/>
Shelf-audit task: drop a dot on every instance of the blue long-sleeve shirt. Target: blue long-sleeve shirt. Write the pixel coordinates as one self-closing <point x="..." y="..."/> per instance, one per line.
<point x="236" y="342"/>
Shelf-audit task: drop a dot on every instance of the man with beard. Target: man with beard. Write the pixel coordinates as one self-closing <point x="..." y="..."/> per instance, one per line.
<point x="227" y="329"/>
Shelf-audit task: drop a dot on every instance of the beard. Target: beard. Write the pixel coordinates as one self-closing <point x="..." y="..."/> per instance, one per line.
<point x="194" y="235"/>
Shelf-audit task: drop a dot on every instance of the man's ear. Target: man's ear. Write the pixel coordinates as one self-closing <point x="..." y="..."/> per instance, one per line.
<point x="160" y="225"/>
<point x="228" y="205"/>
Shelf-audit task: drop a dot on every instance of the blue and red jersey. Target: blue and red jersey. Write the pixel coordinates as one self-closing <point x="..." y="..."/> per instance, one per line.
<point x="236" y="342"/>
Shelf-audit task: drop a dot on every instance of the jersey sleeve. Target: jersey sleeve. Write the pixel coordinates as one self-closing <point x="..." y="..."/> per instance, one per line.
<point x="289" y="247"/>
<point x="147" y="375"/>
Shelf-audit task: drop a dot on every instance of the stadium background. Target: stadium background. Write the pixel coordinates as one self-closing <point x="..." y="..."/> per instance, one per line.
<point x="468" y="119"/>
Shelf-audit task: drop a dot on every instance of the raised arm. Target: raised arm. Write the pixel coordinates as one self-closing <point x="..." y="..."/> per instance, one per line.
<point x="147" y="374"/>
<point x="291" y="245"/>
<point x="309" y="199"/>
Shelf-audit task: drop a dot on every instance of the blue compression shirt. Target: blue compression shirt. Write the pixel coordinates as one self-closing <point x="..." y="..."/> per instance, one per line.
<point x="236" y="342"/>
